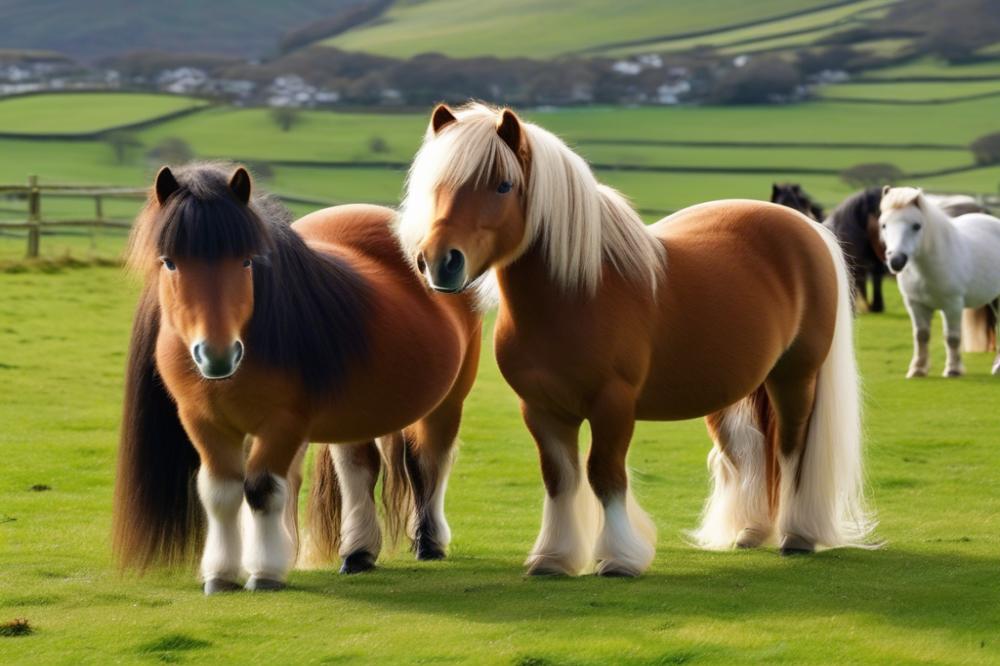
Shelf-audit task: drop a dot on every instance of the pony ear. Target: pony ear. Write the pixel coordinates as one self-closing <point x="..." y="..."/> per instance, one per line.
<point x="509" y="130"/>
<point x="441" y="117"/>
<point x="165" y="184"/>
<point x="774" y="190"/>
<point x="885" y="190"/>
<point x="239" y="183"/>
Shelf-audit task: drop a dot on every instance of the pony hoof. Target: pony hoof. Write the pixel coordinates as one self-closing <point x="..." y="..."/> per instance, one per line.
<point x="428" y="551"/>
<point x="793" y="544"/>
<point x="256" y="584"/>
<point x="750" y="538"/>
<point x="547" y="567"/>
<point x="953" y="373"/>
<point x="608" y="569"/>
<point x="996" y="369"/>
<point x="219" y="585"/>
<point x="916" y="372"/>
<point x="358" y="562"/>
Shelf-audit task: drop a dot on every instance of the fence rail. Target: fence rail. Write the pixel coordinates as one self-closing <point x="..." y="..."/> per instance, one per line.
<point x="35" y="223"/>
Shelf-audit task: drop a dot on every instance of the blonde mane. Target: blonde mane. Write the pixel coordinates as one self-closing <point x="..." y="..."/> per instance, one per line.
<point x="578" y="222"/>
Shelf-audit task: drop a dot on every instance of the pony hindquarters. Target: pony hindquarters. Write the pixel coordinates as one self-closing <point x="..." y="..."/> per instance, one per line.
<point x="821" y="501"/>
<point x="787" y="459"/>
<point x="979" y="329"/>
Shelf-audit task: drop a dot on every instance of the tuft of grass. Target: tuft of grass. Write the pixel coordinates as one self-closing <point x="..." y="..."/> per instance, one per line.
<point x="16" y="627"/>
<point x="173" y="643"/>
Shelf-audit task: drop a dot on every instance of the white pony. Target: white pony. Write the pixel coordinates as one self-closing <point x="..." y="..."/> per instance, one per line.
<point x="943" y="264"/>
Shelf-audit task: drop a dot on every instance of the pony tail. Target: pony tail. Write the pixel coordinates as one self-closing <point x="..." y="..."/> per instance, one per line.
<point x="979" y="328"/>
<point x="157" y="518"/>
<point x="397" y="492"/>
<point x="323" y="512"/>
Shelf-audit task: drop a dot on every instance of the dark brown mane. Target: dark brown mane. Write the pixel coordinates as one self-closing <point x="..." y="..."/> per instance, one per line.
<point x="855" y="209"/>
<point x="793" y="196"/>
<point x="309" y="308"/>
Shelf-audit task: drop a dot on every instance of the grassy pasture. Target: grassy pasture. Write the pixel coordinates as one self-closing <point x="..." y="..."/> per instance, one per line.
<point x="548" y="29"/>
<point x="85" y="112"/>
<point x="928" y="596"/>
<point x="606" y="136"/>
<point x="909" y="92"/>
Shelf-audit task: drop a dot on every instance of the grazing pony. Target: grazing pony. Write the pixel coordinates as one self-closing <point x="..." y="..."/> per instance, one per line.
<point x="793" y="196"/>
<point x="254" y="337"/>
<point x="738" y="310"/>
<point x="943" y="264"/>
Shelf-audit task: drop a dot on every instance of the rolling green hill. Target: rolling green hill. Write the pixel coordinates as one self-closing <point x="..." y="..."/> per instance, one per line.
<point x="510" y="28"/>
<point x="80" y="113"/>
<point x="103" y="27"/>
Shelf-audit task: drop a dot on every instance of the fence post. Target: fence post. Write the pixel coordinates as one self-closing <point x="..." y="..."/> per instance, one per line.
<point x="34" y="217"/>
<point x="99" y="211"/>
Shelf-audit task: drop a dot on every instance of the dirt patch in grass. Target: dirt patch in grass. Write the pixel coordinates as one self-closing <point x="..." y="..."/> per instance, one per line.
<point x="16" y="627"/>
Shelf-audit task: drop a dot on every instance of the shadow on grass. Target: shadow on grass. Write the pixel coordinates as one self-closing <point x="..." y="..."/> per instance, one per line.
<point x="940" y="590"/>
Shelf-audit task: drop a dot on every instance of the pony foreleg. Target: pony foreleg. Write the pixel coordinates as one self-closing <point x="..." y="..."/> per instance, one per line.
<point x="269" y="550"/>
<point x="220" y="489"/>
<point x="357" y="468"/>
<point x="878" y="301"/>
<point x="566" y="539"/>
<point x="220" y="562"/>
<point x="953" y="340"/>
<point x="627" y="542"/>
<point x="294" y="485"/>
<point x="920" y="316"/>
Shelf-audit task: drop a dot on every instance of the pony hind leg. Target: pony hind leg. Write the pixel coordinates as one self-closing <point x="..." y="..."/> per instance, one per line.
<point x="952" y="323"/>
<point x="565" y="542"/>
<point x="626" y="544"/>
<point x="357" y="467"/>
<point x="739" y="509"/>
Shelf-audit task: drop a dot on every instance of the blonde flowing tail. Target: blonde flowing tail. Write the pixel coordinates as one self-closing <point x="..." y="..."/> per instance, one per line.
<point x="825" y="501"/>
<point x="979" y="328"/>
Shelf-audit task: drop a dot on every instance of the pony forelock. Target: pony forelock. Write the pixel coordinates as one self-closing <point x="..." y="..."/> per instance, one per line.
<point x="578" y="222"/>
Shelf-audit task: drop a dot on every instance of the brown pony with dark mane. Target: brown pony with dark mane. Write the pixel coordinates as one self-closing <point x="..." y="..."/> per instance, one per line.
<point x="738" y="310"/>
<point x="254" y="337"/>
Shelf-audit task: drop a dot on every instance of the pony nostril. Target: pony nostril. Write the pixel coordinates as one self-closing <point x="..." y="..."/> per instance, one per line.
<point x="454" y="262"/>
<point x="237" y="352"/>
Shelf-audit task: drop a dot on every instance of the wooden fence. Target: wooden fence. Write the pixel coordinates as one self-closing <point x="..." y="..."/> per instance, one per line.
<point x="35" y="222"/>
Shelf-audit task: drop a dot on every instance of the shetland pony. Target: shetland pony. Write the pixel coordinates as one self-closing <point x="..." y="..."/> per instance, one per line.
<point x="793" y="196"/>
<point x="251" y="331"/>
<point x="738" y="310"/>
<point x="855" y="224"/>
<point x="943" y="264"/>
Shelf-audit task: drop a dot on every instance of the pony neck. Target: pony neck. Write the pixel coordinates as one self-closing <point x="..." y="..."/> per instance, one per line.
<point x="938" y="240"/>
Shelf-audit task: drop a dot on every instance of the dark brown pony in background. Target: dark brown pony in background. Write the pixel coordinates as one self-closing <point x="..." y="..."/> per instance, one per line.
<point x="738" y="311"/>
<point x="793" y="196"/>
<point x="254" y="337"/>
<point x="855" y="224"/>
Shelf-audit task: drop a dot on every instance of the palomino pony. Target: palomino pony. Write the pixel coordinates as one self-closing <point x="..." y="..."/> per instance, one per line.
<point x="943" y="264"/>
<point x="251" y="329"/>
<point x="793" y="196"/>
<point x="738" y="310"/>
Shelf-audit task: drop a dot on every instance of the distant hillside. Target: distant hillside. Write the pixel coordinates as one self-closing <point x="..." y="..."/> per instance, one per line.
<point x="91" y="29"/>
<point x="509" y="28"/>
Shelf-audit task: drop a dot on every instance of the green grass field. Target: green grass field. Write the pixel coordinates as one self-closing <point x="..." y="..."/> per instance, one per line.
<point x="929" y="596"/>
<point x="464" y="29"/>
<point x="85" y="112"/>
<point x="606" y="136"/>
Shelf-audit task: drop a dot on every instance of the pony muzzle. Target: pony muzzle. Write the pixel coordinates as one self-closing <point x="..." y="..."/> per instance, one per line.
<point x="215" y="363"/>
<point x="446" y="273"/>
<point x="897" y="261"/>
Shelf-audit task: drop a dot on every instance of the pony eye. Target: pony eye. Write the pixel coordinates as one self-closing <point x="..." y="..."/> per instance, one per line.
<point x="247" y="263"/>
<point x="916" y="226"/>
<point x="169" y="265"/>
<point x="505" y="187"/>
